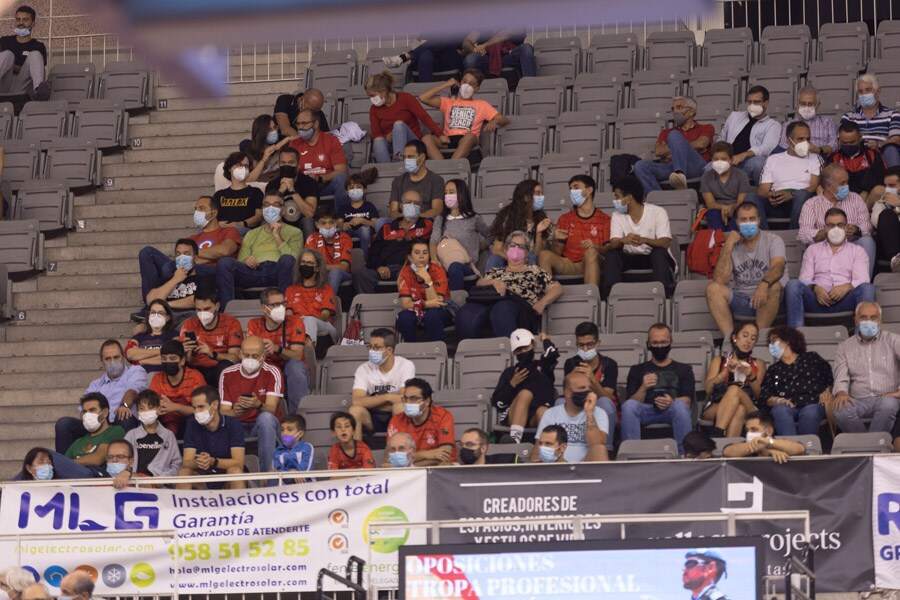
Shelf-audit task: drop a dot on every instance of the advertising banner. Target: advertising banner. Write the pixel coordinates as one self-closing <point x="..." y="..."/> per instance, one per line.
<point x="886" y="521"/>
<point x="254" y="540"/>
<point x="834" y="490"/>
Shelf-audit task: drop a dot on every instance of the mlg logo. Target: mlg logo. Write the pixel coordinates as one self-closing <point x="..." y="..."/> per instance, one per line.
<point x="66" y="510"/>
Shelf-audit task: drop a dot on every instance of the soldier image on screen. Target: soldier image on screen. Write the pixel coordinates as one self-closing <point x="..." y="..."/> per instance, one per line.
<point x="703" y="568"/>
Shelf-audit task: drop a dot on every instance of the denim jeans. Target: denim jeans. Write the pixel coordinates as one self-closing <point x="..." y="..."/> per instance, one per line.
<point x="882" y="411"/>
<point x="635" y="414"/>
<point x="684" y="159"/>
<point x="434" y="321"/>
<point x="296" y="378"/>
<point x="714" y="221"/>
<point x="456" y="274"/>
<point x="472" y="317"/>
<point x="336" y="277"/>
<point x="434" y="55"/>
<point x="797" y="421"/>
<point x="867" y="243"/>
<point x="800" y="300"/>
<point x="335" y="188"/>
<point x="782" y="211"/>
<point x="231" y="273"/>
<point x="157" y="268"/>
<point x="891" y="155"/>
<point x="384" y="150"/>
<point x="365" y="235"/>
<point x="266" y="430"/>
<point x="522" y="56"/>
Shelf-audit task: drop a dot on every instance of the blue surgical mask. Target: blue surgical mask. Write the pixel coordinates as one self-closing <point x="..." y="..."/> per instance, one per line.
<point x="537" y="203"/>
<point x="620" y="208"/>
<point x="272" y="137"/>
<point x="200" y="219"/>
<point x="548" y="455"/>
<point x="376" y="357"/>
<point x="410" y="165"/>
<point x="776" y="350"/>
<point x="115" y="468"/>
<point x="749" y="230"/>
<point x="305" y="134"/>
<point x="272" y="214"/>
<point x="398" y="459"/>
<point x="356" y="194"/>
<point x="22" y="31"/>
<point x="577" y="197"/>
<point x="412" y="409"/>
<point x="842" y="192"/>
<point x="43" y="472"/>
<point x="587" y="355"/>
<point x="411" y="212"/>
<point x="867" y="100"/>
<point x="328" y="232"/>
<point x="868" y="329"/>
<point x="183" y="261"/>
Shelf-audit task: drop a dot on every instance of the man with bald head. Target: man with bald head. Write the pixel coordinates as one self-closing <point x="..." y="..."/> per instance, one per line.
<point x="321" y="157"/>
<point x="400" y="451"/>
<point x="77" y="585"/>
<point x="36" y="591"/>
<point x="251" y="392"/>
<point x="288" y="106"/>
<point x="586" y="423"/>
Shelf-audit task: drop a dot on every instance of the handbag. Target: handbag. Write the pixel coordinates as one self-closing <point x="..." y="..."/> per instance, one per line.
<point x="484" y="294"/>
<point x="353" y="335"/>
<point x="450" y="251"/>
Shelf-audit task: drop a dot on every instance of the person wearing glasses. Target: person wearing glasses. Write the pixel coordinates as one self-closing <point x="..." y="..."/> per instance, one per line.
<point x="321" y="157"/>
<point x="602" y="371"/>
<point x="430" y="426"/>
<point x="703" y="568"/>
<point x="473" y="450"/>
<point x="120" y="462"/>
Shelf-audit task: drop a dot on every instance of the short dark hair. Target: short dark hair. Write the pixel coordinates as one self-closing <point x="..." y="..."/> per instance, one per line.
<point x="234" y="159"/>
<point x="630" y="186"/>
<point x="125" y="443"/>
<point x="27" y="9"/>
<point x="264" y="295"/>
<point x="765" y="419"/>
<point x="478" y="75"/>
<point x="170" y="324"/>
<point x="100" y="398"/>
<point x="482" y="435"/>
<point x="696" y="443"/>
<point x="296" y="419"/>
<point x="423" y="385"/>
<point x="172" y="347"/>
<point x="110" y="342"/>
<point x="419" y="145"/>
<point x="149" y="397"/>
<point x="722" y="146"/>
<point x="791" y="336"/>
<point x="658" y="326"/>
<point x="745" y="206"/>
<point x="562" y="437"/>
<point x="849" y="127"/>
<point x="188" y="242"/>
<point x="587" y="328"/>
<point x="587" y="180"/>
<point x="835" y="211"/>
<point x="289" y="150"/>
<point x="210" y="391"/>
<point x="332" y="422"/>
<point x="758" y="89"/>
<point x="418" y="242"/>
<point x="324" y="211"/>
<point x="213" y="202"/>
<point x="739" y="327"/>
<point x="207" y="293"/>
<point x="390" y="339"/>
<point x="892" y="171"/>
<point x="793" y="127"/>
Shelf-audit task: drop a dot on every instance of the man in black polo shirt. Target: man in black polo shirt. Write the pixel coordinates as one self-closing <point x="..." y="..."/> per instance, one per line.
<point x="473" y="447"/>
<point x="288" y="106"/>
<point x="23" y="59"/>
<point x="213" y="443"/>
<point x="296" y="187"/>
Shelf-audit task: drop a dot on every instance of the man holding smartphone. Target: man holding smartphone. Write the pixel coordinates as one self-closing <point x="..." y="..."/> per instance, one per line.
<point x="212" y="339"/>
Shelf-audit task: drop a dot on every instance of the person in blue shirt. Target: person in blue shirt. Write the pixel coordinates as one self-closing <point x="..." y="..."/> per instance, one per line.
<point x="359" y="217"/>
<point x="293" y="454"/>
<point x="213" y="442"/>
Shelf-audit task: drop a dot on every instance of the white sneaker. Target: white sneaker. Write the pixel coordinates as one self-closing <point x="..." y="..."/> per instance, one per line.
<point x="895" y="264"/>
<point x="392" y="62"/>
<point x="678" y="180"/>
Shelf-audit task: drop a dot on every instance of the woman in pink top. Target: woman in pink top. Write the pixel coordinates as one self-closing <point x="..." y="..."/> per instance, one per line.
<point x="394" y="117"/>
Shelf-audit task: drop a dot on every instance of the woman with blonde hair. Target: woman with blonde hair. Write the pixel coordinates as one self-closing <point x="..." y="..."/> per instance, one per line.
<point x="394" y="118"/>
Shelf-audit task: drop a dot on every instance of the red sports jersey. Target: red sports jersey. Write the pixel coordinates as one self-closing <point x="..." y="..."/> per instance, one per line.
<point x="226" y="334"/>
<point x="410" y="286"/>
<point x="310" y="301"/>
<point x="437" y="430"/>
<point x="322" y="157"/>
<point x="337" y="251"/>
<point x="594" y="228"/>
<point x="421" y="230"/>
<point x="266" y="382"/>
<point x="362" y="459"/>
<point x="179" y="393"/>
<point x="215" y="237"/>
<point x="290" y="333"/>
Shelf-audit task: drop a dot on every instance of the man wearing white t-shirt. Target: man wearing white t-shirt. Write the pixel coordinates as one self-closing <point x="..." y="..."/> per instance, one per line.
<point x="788" y="179"/>
<point x="639" y="238"/>
<point x="379" y="383"/>
<point x="586" y="424"/>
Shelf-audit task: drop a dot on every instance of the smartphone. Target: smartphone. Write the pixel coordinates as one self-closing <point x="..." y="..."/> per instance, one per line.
<point x="191" y="335"/>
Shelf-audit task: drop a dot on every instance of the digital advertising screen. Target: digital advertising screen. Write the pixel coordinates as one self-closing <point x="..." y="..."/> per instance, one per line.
<point x="633" y="570"/>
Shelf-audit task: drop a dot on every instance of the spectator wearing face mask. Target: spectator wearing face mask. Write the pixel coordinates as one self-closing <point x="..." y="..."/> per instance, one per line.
<point x="733" y="382"/>
<point x="174" y="385"/>
<point x="400" y="451"/>
<point x="424" y="296"/>
<point x="865" y="166"/>
<point x="458" y="226"/>
<point x="823" y="135"/>
<point x="321" y="157"/>
<point x="473" y="450"/>
<point x="212" y="338"/>
<point x="551" y="444"/>
<point x="886" y="219"/>
<point x="90" y="450"/>
<point x="23" y="59"/>
<point x="240" y="204"/>
<point x="120" y="457"/>
<point x="179" y="290"/>
<point x="524" y="213"/>
<point x="587" y="424"/>
<point x="298" y="189"/>
<point x="430" y="426"/>
<point x="602" y="372"/>
<point x="879" y="124"/>
<point x="419" y="178"/>
<point x="358" y="218"/>
<point x="143" y="348"/>
<point x="723" y="188"/>
<point x="119" y="386"/>
<point x="263" y="146"/>
<point x="311" y="298"/>
<point x="761" y="441"/>
<point x="752" y="133"/>
<point x="394" y="117"/>
<point x="334" y="245"/>
<point x="213" y="442"/>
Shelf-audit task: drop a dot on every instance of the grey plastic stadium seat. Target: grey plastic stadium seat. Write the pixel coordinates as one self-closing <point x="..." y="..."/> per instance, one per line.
<point x="103" y="120"/>
<point x="582" y="132"/>
<point x="793" y="251"/>
<point x="637" y="130"/>
<point x="418" y="88"/>
<point x="5" y="294"/>
<point x="373" y="65"/>
<point x="834" y="88"/>
<point x="73" y="82"/>
<point x="558" y="56"/>
<point x="843" y="43"/>
<point x="467" y="417"/>
<point x="317" y="409"/>
<point x="7" y="120"/>
<point x="77" y="160"/>
<point x="43" y="121"/>
<point x="599" y="93"/>
<point x="337" y="369"/>
<point x="21" y="162"/>
<point x="824" y="339"/>
<point x="469" y="407"/>
<point x="47" y="201"/>
<point x="451" y="168"/>
<point x="251" y="465"/>
<point x="877" y="442"/>
<point x="378" y="310"/>
<point x="526" y="136"/>
<point x="478" y="363"/>
<point x="716" y="91"/>
<point x="811" y="442"/>
<point x="782" y="81"/>
<point x="578" y="303"/>
<point x="690" y="311"/>
<point x="614" y="53"/>
<point x="498" y="176"/>
<point x="126" y="81"/>
<point x="729" y="48"/>
<point x="786" y="45"/>
<point x="430" y="359"/>
<point x="355" y="107"/>
<point x="540" y="95"/>
<point x="661" y="449"/>
<point x="489" y="208"/>
<point x="495" y="95"/>
<point x="655" y="89"/>
<point x="889" y="82"/>
<point x="243" y="310"/>
<point x="556" y="169"/>
<point x="21" y="246"/>
<point x="332" y="70"/>
<point x="522" y="451"/>
<point x="887" y="293"/>
<point x="721" y="443"/>
<point x="379" y="192"/>
<point x="887" y="40"/>
<point x="681" y="218"/>
<point x="694" y="348"/>
<point x="669" y="198"/>
<point x="633" y="307"/>
<point x="670" y="51"/>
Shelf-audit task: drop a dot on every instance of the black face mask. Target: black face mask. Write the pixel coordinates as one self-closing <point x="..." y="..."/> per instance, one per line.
<point x="467" y="456"/>
<point x="288" y="171"/>
<point x="741" y="354"/>
<point x="659" y="352"/>
<point x="170" y="368"/>
<point x="525" y="357"/>
<point x="849" y="150"/>
<point x="579" y="398"/>
<point x="307" y="272"/>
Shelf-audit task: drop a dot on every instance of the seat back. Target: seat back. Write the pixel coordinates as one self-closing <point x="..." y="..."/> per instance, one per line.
<point x="834" y="90"/>
<point x="601" y="93"/>
<point x="690" y="311"/>
<point x="470" y="408"/>
<point x="843" y="43"/>
<point x="730" y="48"/>
<point x="811" y="442"/>
<point x="379" y="192"/>
<point x="824" y="339"/>
<point x="524" y="136"/>
<point x="540" y="95"/>
<point x="581" y="132"/>
<point x="102" y="120"/>
<point x="21" y="160"/>
<point x="558" y="56"/>
<point x="489" y="208"/>
<point x="660" y="449"/>
<point x="872" y="442"/>
<point x="578" y="303"/>
<point x="128" y="82"/>
<point x="887" y="294"/>
<point x="614" y="53"/>
<point x="638" y="129"/>
<point x="49" y="202"/>
<point x="76" y="160"/>
<point x="670" y="51"/>
<point x="887" y="41"/>
<point x="632" y="307"/>
<point x="317" y="410"/>
<point x="555" y="171"/>
<point x="498" y="176"/>
<point x="355" y="107"/>
<point x="377" y="310"/>
<point x="333" y="70"/>
<point x="655" y="89"/>
<point x="793" y="251"/>
<point x="416" y="88"/>
<point x="338" y="369"/>
<point x="72" y="82"/>
<point x="478" y="363"/>
<point x="430" y="359"/>
<point x="782" y="83"/>
<point x="785" y="45"/>
<point x="451" y="168"/>
<point x="469" y="417"/>
<point x="521" y="451"/>
<point x="715" y="90"/>
<point x="21" y="246"/>
<point x="43" y="121"/>
<point x="694" y="348"/>
<point x="7" y="120"/>
<point x="374" y="64"/>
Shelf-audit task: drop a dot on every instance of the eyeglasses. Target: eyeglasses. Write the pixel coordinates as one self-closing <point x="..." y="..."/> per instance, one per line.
<point x="690" y="564"/>
<point x="117" y="457"/>
<point x="377" y="348"/>
<point x="411" y="399"/>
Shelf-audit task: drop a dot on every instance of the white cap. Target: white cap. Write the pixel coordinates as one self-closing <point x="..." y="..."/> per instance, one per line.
<point x="520" y="338"/>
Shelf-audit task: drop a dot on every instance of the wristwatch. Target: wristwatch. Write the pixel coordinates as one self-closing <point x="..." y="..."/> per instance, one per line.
<point x="771" y="441"/>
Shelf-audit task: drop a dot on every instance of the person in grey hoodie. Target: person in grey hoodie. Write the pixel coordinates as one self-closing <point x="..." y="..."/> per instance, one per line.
<point x="156" y="449"/>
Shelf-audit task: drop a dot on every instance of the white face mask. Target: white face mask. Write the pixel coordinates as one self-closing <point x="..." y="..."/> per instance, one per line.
<point x="837" y="235"/>
<point x="466" y="91"/>
<point x="802" y="149"/>
<point x="752" y="435"/>
<point x="91" y="421"/>
<point x="377" y="101"/>
<point x="890" y="190"/>
<point x="156" y="321"/>
<point x="239" y="173"/>
<point x="754" y="110"/>
<point x="278" y="313"/>
<point x="203" y="418"/>
<point x="148" y="417"/>
<point x="206" y="316"/>
<point x="721" y="166"/>
<point x="250" y="365"/>
<point x="807" y="112"/>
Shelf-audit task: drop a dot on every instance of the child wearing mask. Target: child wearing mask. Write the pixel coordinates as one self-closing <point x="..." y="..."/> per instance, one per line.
<point x="293" y="454"/>
<point x="155" y="447"/>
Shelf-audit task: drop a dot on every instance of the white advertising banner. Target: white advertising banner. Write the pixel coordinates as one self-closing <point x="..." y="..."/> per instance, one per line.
<point x="886" y="521"/>
<point x="241" y="541"/>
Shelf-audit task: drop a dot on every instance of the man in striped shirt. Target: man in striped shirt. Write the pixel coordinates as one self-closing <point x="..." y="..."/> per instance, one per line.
<point x="836" y="193"/>
<point x="880" y="125"/>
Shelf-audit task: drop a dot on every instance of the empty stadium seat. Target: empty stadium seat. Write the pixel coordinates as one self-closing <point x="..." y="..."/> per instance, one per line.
<point x="522" y="451"/>
<point x="77" y="160"/>
<point x="599" y="93"/>
<point x="811" y="442"/>
<point x="49" y="202"/>
<point x="716" y="91"/>
<point x="887" y="293"/>
<point x="721" y="443"/>
<point x="690" y="311"/>
<point x="317" y="410"/>
<point x="582" y="132"/>
<point x="378" y="310"/>
<point x="824" y="339"/>
<point x="614" y="53"/>
<point x="786" y="45"/>
<point x="72" y="83"/>
<point x="578" y="303"/>
<point x="873" y="442"/>
<point x="887" y="40"/>
<point x="498" y="176"/>
<point x="470" y="408"/>
<point x="379" y="191"/>
<point x="728" y="48"/>
<point x="681" y="217"/>
<point x="660" y="449"/>
<point x="540" y="96"/>
<point x="555" y="171"/>
<point x="43" y="121"/>
<point x="355" y="107"/>
<point x="782" y="81"/>
<point x="338" y="368"/>
<point x="633" y="307"/>
<point x="126" y="81"/>
<point x="373" y="65"/>
<point x="834" y="88"/>
<point x="21" y="161"/>
<point x="243" y="310"/>
<point x="451" y="168"/>
<point x="843" y="43"/>
<point x="488" y="208"/>
<point x="525" y="135"/>
<point x="418" y="88"/>
<point x="103" y="120"/>
<point x="670" y="51"/>
<point x="478" y="363"/>
<point x="558" y="56"/>
<point x="655" y="89"/>
<point x="667" y="198"/>
<point x="695" y="348"/>
<point x="637" y="130"/>
<point x="430" y="359"/>
<point x="333" y="70"/>
<point x="21" y="246"/>
<point x="793" y="251"/>
<point x="7" y="120"/>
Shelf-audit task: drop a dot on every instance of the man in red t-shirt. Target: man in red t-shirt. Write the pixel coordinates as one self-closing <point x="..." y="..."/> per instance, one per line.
<point x="212" y="339"/>
<point x="430" y="426"/>
<point x="321" y="157"/>
<point x="251" y="392"/>
<point x="683" y="151"/>
<point x="581" y="237"/>
<point x="284" y="340"/>
<point x="334" y="246"/>
<point x="175" y="383"/>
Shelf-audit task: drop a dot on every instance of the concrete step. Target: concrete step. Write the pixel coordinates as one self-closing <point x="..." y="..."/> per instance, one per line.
<point x="197" y="127"/>
<point x="164" y="169"/>
<point x="234" y="89"/>
<point x="15" y="431"/>
<point x="47" y="380"/>
<point x="151" y="236"/>
<point x="219" y="141"/>
<point x="52" y="348"/>
<point x="38" y="364"/>
<point x="145" y="197"/>
<point x="242" y="101"/>
<point x="138" y="223"/>
<point x="24" y="415"/>
<point x="113" y="159"/>
<point x="165" y="184"/>
<point x="119" y="330"/>
<point x="216" y="151"/>
<point x="247" y="113"/>
<point x="87" y="299"/>
<point x="113" y="251"/>
<point x="89" y="282"/>
<point x="58" y="317"/>
<point x="182" y="208"/>
<point x="91" y="267"/>
<point x="33" y="399"/>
